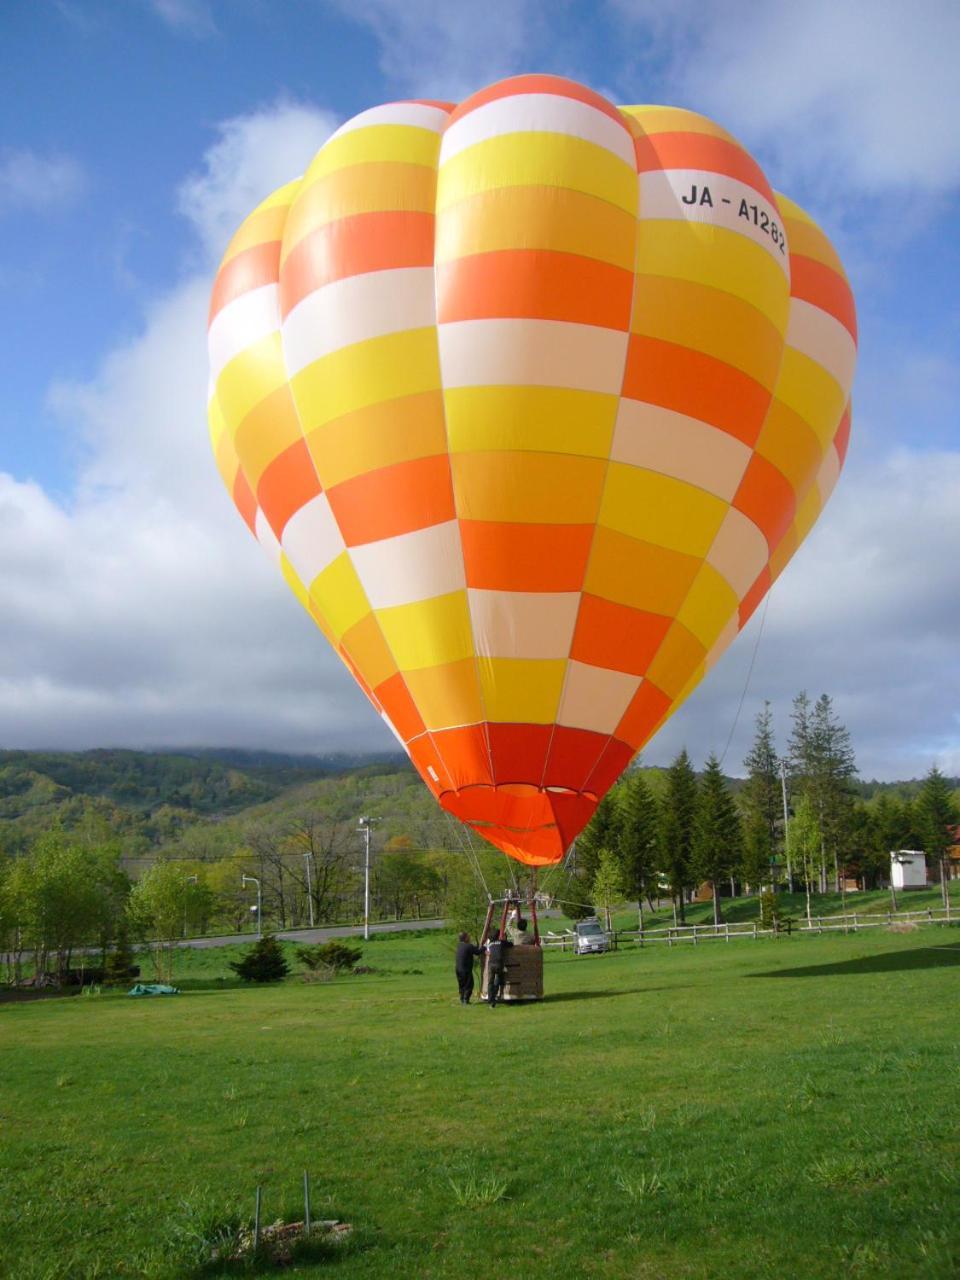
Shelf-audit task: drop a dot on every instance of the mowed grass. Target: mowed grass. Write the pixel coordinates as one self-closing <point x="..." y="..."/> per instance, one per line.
<point x="754" y="1109"/>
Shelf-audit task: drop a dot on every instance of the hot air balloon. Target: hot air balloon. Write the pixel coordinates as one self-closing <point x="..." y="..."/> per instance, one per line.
<point x="530" y="399"/>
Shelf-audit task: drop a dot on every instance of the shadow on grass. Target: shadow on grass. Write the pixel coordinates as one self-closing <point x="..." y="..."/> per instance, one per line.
<point x="560" y="996"/>
<point x="892" y="962"/>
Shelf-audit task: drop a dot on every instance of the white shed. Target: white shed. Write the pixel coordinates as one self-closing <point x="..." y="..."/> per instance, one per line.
<point x="908" y="869"/>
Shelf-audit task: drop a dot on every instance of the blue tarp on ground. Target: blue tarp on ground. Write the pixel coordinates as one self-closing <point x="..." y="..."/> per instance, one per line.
<point x="153" y="989"/>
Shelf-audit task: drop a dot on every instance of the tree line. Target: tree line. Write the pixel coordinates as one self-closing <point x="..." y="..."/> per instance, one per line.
<point x="796" y="822"/>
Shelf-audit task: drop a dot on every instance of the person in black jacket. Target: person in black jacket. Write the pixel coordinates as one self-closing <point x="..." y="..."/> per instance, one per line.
<point x="496" y="967"/>
<point x="464" y="966"/>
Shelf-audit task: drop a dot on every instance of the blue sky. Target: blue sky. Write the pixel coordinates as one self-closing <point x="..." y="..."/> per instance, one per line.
<point x="138" y="133"/>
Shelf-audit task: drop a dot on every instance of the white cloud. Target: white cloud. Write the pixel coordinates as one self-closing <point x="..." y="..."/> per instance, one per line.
<point x="39" y="183"/>
<point x="143" y="612"/>
<point x="253" y="156"/>
<point x="190" y="17"/>
<point x="860" y="95"/>
<point x="869" y="612"/>
<point x="432" y="49"/>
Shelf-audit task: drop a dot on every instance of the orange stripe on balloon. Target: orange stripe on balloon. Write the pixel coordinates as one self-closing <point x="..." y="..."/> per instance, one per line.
<point x="841" y="440"/>
<point x="696" y="384"/>
<point x="464" y="751"/>
<point x="813" y="282"/>
<point x="394" y="696"/>
<point x="753" y="597"/>
<point x="557" y="85"/>
<point x="537" y="284"/>
<point x="393" y="500"/>
<point x="353" y="246"/>
<point x="615" y="636"/>
<point x="245" y="502"/>
<point x="248" y="270"/>
<point x="766" y="497"/>
<point x="647" y="708"/>
<point x="525" y="557"/>
<point x="700" y="151"/>
<point x="287" y="484"/>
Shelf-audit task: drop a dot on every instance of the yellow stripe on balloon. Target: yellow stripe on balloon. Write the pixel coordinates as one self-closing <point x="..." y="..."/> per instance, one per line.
<point x="540" y="160"/>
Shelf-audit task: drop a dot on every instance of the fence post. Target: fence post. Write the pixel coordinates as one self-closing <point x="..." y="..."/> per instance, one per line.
<point x="755" y="934"/>
<point x="726" y="929"/>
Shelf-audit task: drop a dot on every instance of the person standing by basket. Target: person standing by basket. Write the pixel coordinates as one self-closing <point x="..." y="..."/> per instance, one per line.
<point x="463" y="964"/>
<point x="496" y="967"/>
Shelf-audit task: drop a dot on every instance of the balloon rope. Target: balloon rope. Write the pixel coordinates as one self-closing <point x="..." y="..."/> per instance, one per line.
<point x="746" y="683"/>
<point x="469" y="849"/>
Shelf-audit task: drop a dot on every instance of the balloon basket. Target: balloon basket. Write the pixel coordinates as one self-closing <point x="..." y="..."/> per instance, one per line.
<point x="522" y="962"/>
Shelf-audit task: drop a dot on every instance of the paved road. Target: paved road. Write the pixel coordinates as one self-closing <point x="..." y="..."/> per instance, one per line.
<point x="317" y="935"/>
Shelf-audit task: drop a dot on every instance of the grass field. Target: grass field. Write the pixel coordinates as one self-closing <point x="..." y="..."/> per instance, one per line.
<point x="770" y="1109"/>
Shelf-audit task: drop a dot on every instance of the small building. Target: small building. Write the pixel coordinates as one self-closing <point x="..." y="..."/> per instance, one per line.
<point x="908" y="869"/>
<point x="953" y="855"/>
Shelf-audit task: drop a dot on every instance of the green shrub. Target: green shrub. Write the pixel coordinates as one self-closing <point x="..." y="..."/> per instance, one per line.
<point x="264" y="962"/>
<point x="120" y="967"/>
<point x="329" y="955"/>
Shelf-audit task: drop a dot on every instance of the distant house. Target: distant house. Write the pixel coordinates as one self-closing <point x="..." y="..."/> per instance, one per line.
<point x="908" y="869"/>
<point x="953" y="855"/>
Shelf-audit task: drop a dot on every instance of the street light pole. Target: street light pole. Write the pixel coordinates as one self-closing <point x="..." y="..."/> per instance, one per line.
<point x="364" y="825"/>
<point x="786" y="823"/>
<point x="189" y="880"/>
<point x="306" y="857"/>
<point x="253" y="880"/>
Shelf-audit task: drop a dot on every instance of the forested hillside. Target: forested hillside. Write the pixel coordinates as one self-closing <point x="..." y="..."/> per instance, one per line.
<point x="147" y="797"/>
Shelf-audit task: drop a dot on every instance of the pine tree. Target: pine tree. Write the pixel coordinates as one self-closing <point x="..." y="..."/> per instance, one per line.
<point x="677" y="810"/>
<point x="601" y="832"/>
<point x="607" y="885"/>
<point x="833" y="768"/>
<point x="263" y="962"/>
<point x="938" y="819"/>
<point x="822" y="767"/>
<point x="717" y="835"/>
<point x="805" y="844"/>
<point x="638" y="837"/>
<point x="119" y="967"/>
<point x="757" y="856"/>
<point x="762" y="802"/>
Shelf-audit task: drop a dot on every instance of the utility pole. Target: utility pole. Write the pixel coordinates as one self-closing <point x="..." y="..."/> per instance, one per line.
<point x="189" y="880"/>
<point x="306" y="858"/>
<point x="365" y="825"/>
<point x="254" y="880"/>
<point x="786" y="823"/>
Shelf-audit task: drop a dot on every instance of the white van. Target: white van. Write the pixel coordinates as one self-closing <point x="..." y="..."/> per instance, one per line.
<point x="589" y="937"/>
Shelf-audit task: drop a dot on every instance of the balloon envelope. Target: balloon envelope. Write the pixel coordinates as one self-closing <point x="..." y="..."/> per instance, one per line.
<point x="530" y="399"/>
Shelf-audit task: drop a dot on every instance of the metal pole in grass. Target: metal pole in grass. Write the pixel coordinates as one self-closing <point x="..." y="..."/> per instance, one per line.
<point x="254" y="880"/>
<point x="189" y="880"/>
<point x="306" y="857"/>
<point x="256" y="1221"/>
<point x="364" y="825"/>
<point x="306" y="1203"/>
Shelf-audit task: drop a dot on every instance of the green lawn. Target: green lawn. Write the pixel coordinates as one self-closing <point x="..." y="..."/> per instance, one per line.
<point x="781" y="1108"/>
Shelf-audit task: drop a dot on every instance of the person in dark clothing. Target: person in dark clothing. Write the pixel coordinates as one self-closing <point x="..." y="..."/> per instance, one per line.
<point x="496" y="964"/>
<point x="466" y="952"/>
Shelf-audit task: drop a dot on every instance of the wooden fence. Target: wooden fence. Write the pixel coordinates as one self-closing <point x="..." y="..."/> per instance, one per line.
<point x="672" y="935"/>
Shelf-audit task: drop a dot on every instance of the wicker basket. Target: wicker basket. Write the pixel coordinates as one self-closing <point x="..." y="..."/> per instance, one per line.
<point x="523" y="974"/>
